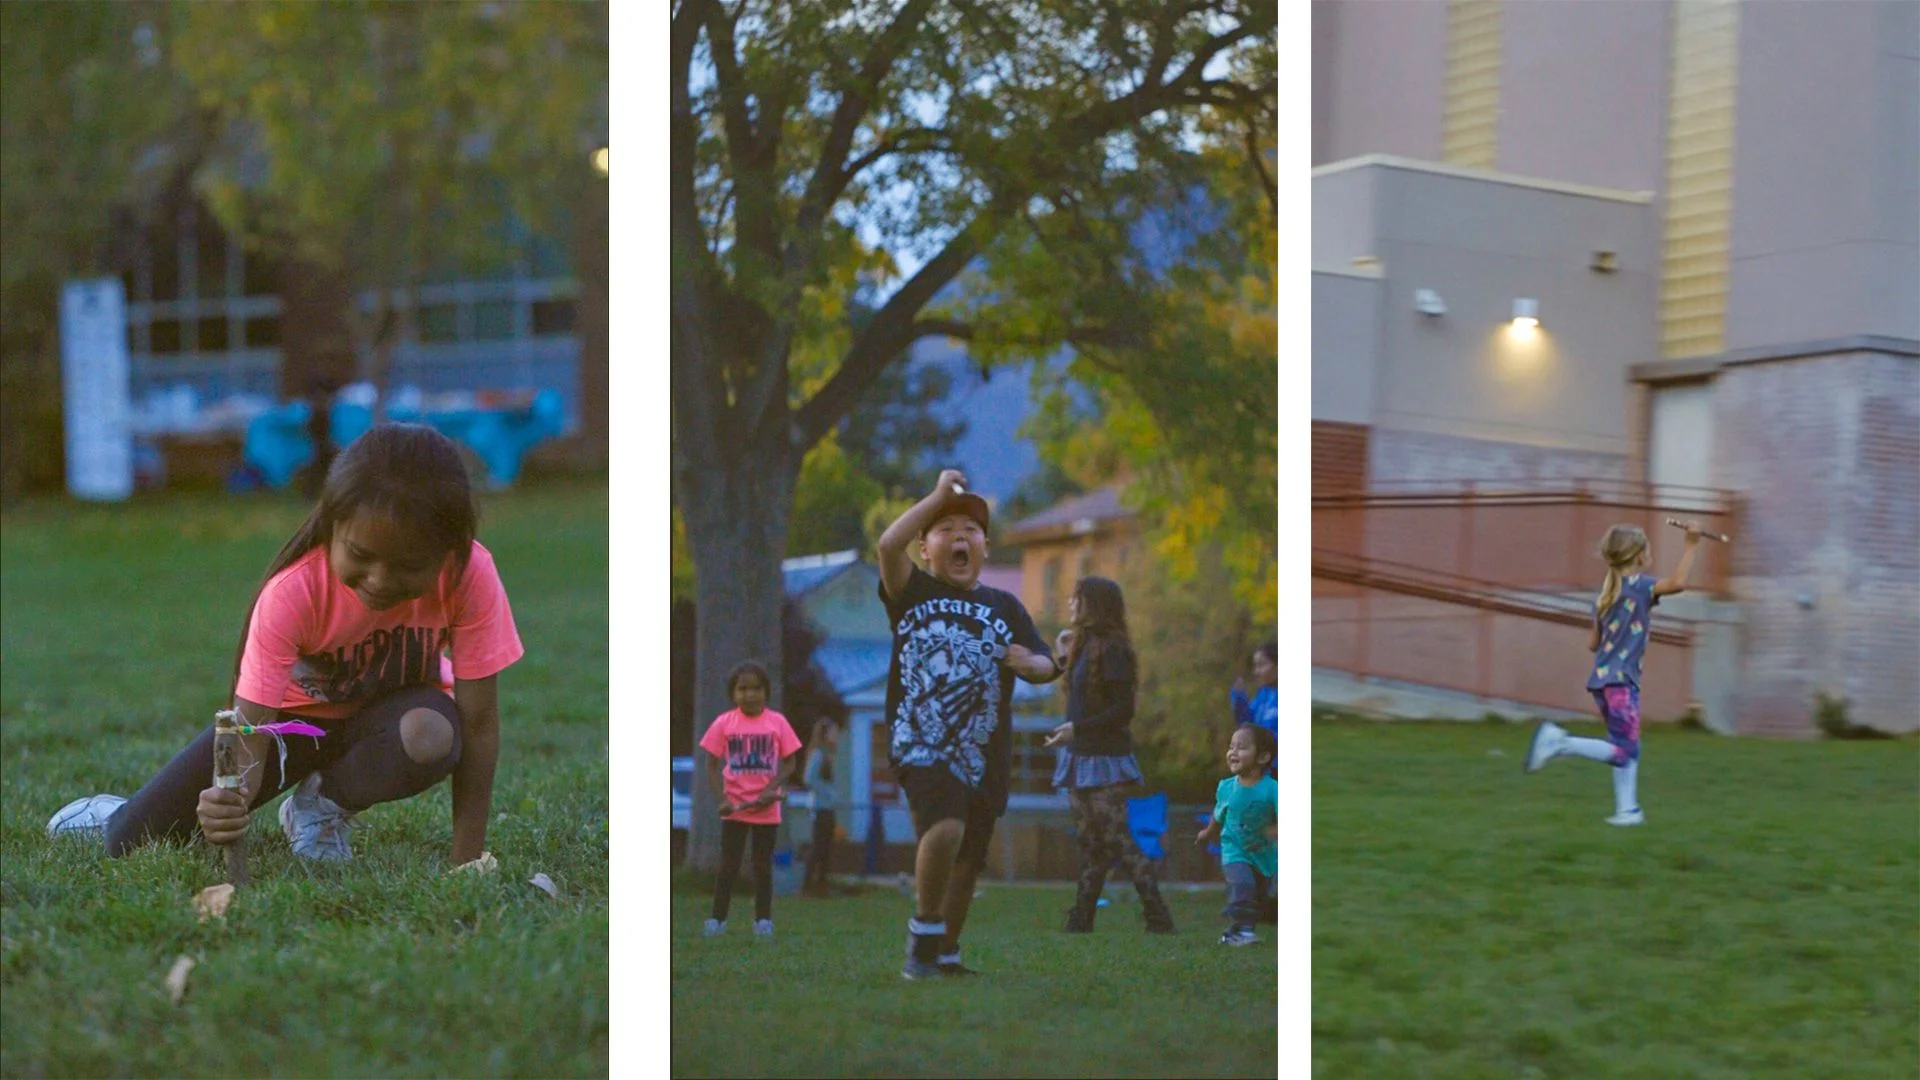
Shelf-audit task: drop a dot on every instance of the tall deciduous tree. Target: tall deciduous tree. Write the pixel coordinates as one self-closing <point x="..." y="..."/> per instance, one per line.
<point x="381" y="143"/>
<point x="806" y="138"/>
<point x="88" y="109"/>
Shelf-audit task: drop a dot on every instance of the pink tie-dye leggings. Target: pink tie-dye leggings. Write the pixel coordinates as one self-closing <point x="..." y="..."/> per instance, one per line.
<point x="1620" y="707"/>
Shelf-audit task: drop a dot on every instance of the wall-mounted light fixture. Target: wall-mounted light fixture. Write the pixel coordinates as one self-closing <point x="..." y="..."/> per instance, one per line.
<point x="1526" y="317"/>
<point x="1428" y="302"/>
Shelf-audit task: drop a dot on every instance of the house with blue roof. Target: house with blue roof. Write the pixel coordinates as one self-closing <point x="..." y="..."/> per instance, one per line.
<point x="839" y="593"/>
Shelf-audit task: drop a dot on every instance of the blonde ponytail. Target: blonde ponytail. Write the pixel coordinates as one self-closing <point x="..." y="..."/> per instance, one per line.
<point x="1623" y="545"/>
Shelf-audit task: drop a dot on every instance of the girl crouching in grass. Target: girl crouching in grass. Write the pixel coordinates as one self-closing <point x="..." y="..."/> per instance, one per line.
<point x="383" y="624"/>
<point x="751" y="752"/>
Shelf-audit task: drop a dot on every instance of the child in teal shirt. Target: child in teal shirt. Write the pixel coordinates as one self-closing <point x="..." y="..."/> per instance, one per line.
<point x="1246" y="822"/>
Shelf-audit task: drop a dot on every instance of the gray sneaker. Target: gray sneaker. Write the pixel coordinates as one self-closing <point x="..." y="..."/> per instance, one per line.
<point x="85" y="819"/>
<point x="919" y="969"/>
<point x="1239" y="935"/>
<point x="763" y="928"/>
<point x="315" y="825"/>
<point x="713" y="928"/>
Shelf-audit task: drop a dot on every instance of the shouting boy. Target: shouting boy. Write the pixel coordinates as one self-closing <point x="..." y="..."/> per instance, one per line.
<point x="957" y="645"/>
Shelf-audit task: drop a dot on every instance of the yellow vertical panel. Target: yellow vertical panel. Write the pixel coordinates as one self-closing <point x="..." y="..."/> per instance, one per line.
<point x="1693" y="271"/>
<point x="1473" y="83"/>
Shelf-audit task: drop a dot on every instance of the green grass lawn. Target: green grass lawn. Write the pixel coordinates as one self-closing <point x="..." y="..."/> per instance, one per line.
<point x="118" y="627"/>
<point x="825" y="998"/>
<point x="1473" y="921"/>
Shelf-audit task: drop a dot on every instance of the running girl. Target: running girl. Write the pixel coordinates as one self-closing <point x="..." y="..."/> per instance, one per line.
<point x="1622" y="615"/>
<point x="750" y="756"/>
<point x="351" y="632"/>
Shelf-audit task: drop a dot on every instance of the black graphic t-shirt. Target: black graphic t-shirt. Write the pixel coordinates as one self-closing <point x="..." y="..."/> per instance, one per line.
<point x="949" y="698"/>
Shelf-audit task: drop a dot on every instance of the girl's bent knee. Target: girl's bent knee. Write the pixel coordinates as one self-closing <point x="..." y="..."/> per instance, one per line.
<point x="426" y="735"/>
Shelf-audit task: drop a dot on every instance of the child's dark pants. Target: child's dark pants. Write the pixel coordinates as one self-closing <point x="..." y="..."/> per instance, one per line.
<point x="733" y="844"/>
<point x="822" y="853"/>
<point x="361" y="762"/>
<point x="1249" y="896"/>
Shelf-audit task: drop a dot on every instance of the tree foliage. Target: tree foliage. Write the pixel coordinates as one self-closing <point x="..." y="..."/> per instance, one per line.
<point x="88" y="112"/>
<point x="826" y="152"/>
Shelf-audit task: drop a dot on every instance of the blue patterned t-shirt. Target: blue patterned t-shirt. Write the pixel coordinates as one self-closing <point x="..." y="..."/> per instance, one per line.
<point x="1623" y="634"/>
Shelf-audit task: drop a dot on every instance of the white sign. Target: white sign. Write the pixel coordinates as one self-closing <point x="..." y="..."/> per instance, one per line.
<point x="97" y="396"/>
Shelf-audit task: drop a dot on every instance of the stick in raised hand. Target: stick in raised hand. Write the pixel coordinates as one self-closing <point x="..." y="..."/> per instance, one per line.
<point x="1678" y="524"/>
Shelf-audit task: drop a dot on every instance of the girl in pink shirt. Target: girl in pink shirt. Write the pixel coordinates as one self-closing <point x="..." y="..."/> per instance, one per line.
<point x="382" y="621"/>
<point x="751" y="753"/>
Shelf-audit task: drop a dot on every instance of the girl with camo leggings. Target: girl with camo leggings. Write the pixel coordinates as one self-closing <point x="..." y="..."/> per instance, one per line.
<point x="1098" y="769"/>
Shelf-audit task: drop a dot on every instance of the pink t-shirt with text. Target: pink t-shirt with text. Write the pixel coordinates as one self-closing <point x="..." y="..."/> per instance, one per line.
<point x="314" y="649"/>
<point x="750" y="749"/>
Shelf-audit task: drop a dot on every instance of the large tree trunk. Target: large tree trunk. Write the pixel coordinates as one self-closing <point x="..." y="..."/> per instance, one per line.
<point x="736" y="518"/>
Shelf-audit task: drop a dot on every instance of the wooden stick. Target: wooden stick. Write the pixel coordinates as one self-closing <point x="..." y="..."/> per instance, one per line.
<point x="1678" y="524"/>
<point x="228" y="774"/>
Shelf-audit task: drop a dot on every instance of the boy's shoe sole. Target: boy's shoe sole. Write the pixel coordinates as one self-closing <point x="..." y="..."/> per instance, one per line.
<point x="1631" y="817"/>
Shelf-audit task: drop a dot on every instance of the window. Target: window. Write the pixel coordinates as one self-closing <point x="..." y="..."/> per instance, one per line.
<point x="438" y="322"/>
<point x="211" y="334"/>
<point x="552" y="317"/>
<point x="164" y="336"/>
<point x="1050" y="600"/>
<point x="263" y="332"/>
<point x="493" y="320"/>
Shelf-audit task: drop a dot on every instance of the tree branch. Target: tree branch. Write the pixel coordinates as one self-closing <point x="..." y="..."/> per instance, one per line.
<point x="756" y="224"/>
<point x="829" y="177"/>
<point x="880" y="343"/>
<point x="699" y="395"/>
<point x="936" y="139"/>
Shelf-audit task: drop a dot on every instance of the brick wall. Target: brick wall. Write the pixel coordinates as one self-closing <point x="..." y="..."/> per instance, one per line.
<point x="1339" y="458"/>
<point x="1398" y="456"/>
<point x="1824" y="452"/>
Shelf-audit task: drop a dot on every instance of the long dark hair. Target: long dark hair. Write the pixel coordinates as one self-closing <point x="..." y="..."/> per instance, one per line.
<point x="408" y="473"/>
<point x="1100" y="627"/>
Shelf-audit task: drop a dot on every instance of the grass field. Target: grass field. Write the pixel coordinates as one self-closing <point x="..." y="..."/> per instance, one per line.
<point x="1472" y="921"/>
<point x="825" y="998"/>
<point x="118" y="627"/>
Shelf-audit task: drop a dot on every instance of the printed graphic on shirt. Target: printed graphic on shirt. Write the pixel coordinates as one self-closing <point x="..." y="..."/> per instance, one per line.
<point x="380" y="663"/>
<point x="950" y="652"/>
<point x="752" y="754"/>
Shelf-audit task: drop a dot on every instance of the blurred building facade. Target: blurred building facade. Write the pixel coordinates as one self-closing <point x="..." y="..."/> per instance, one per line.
<point x="1090" y="534"/>
<point x="1712" y="207"/>
<point x="206" y="314"/>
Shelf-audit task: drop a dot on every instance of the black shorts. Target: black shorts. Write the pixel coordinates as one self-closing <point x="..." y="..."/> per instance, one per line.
<point x="934" y="795"/>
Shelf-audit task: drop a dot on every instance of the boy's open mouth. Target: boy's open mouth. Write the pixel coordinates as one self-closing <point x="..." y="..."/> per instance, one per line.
<point x="960" y="557"/>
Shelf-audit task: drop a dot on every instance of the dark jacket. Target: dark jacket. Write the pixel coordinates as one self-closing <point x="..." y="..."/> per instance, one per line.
<point x="1101" y="709"/>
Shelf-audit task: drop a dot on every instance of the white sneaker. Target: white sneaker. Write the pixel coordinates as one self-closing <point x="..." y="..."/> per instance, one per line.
<point x="763" y="928"/>
<point x="1548" y="740"/>
<point x="713" y="928"/>
<point x="315" y="825"/>
<point x="1239" y="935"/>
<point x="1628" y="817"/>
<point x="85" y="819"/>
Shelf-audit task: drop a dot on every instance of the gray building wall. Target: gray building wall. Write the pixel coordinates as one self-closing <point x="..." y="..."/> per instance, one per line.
<point x="1346" y="344"/>
<point x="1457" y="395"/>
<point x="1385" y="88"/>
<point x="1824" y="451"/>
<point x="1825" y="236"/>
<point x="1583" y="91"/>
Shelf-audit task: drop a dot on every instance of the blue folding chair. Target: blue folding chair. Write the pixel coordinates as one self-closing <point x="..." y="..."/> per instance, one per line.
<point x="1147" y="819"/>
